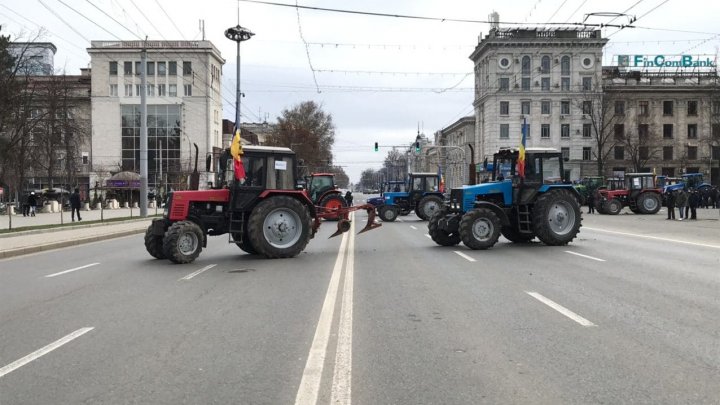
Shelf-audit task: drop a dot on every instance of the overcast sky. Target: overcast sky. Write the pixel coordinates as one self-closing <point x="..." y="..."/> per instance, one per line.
<point x="379" y="77"/>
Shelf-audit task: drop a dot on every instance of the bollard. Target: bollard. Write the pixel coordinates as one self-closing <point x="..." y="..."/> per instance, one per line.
<point x="86" y="206"/>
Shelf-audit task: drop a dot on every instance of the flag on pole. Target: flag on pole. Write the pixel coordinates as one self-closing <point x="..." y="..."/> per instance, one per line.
<point x="521" y="154"/>
<point x="236" y="151"/>
<point x="441" y="187"/>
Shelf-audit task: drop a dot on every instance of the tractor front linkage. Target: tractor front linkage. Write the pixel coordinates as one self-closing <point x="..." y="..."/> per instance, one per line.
<point x="343" y="222"/>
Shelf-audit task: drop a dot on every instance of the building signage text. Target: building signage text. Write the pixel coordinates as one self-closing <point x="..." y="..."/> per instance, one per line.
<point x="666" y="61"/>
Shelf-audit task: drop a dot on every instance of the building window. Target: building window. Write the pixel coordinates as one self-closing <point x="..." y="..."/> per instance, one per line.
<point x="565" y="131"/>
<point x="692" y="107"/>
<point x="525" y="107"/>
<point x="565" y="153"/>
<point x="527" y="130"/>
<point x="587" y="153"/>
<point x="692" y="131"/>
<point x="151" y="90"/>
<point x="716" y="107"/>
<point x="504" y="84"/>
<point x="164" y="135"/>
<point x="161" y="90"/>
<point x="525" y="84"/>
<point x="128" y="90"/>
<point x="619" y="132"/>
<point x="715" y="152"/>
<point x="151" y="68"/>
<point x="545" y="64"/>
<point x="644" y="109"/>
<point x="587" y="107"/>
<point x="667" y="131"/>
<point x="565" y="107"/>
<point x="667" y="153"/>
<point x="545" y="84"/>
<point x="526" y="65"/>
<point x="162" y="70"/>
<point x="113" y="69"/>
<point x="85" y="158"/>
<point x="545" y="131"/>
<point x="113" y="90"/>
<point x="504" y="108"/>
<point x="187" y="68"/>
<point x="619" y="153"/>
<point x="172" y="68"/>
<point x="565" y="66"/>
<point x="138" y="91"/>
<point x="587" y="130"/>
<point x="172" y="90"/>
<point x="188" y="90"/>
<point x="716" y="132"/>
<point x="644" y="152"/>
<point x="545" y="107"/>
<point x="565" y="84"/>
<point x="619" y="107"/>
<point x="668" y="107"/>
<point x="587" y="83"/>
<point x="504" y="131"/>
<point x="643" y="132"/>
<point x="127" y="68"/>
<point x="692" y="152"/>
<point x="137" y="68"/>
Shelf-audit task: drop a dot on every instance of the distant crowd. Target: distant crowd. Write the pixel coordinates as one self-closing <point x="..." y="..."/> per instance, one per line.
<point x="688" y="201"/>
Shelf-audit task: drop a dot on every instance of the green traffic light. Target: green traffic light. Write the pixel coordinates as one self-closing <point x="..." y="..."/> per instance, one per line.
<point x="376" y="147"/>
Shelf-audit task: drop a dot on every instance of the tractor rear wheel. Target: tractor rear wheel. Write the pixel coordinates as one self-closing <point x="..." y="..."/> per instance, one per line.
<point x="388" y="213"/>
<point x="512" y="234"/>
<point x="183" y="242"/>
<point x="154" y="244"/>
<point x="613" y="207"/>
<point x="479" y="228"/>
<point x="428" y="206"/>
<point x="244" y="243"/>
<point x="441" y="236"/>
<point x="556" y="217"/>
<point x="279" y="227"/>
<point x="332" y="202"/>
<point x="649" y="203"/>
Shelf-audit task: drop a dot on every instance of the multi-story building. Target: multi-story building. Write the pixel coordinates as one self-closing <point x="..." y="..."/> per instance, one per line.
<point x="34" y="58"/>
<point x="184" y="107"/>
<point x="453" y="151"/>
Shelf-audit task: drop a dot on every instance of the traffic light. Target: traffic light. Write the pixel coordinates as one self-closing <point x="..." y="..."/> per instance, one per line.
<point x="417" y="146"/>
<point x="376" y="147"/>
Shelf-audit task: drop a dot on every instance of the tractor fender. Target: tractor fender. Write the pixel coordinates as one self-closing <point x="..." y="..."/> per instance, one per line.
<point x="504" y="220"/>
<point x="297" y="194"/>
<point x="327" y="193"/>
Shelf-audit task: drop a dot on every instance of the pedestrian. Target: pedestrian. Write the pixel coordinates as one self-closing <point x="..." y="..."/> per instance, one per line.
<point x="591" y="202"/>
<point x="670" y="202"/>
<point x="75" y="204"/>
<point x="25" y="205"/>
<point x="681" y="201"/>
<point x="32" y="203"/>
<point x="694" y="201"/>
<point x="349" y="198"/>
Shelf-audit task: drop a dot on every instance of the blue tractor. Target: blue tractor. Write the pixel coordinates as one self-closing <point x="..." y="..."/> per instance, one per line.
<point x="388" y="187"/>
<point x="423" y="196"/>
<point x="539" y="205"/>
<point x="689" y="181"/>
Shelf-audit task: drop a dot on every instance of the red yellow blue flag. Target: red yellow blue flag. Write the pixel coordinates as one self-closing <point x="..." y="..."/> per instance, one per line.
<point x="521" y="153"/>
<point x="236" y="151"/>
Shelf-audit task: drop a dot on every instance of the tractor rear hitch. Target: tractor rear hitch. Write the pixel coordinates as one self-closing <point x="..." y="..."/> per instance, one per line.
<point x="344" y="224"/>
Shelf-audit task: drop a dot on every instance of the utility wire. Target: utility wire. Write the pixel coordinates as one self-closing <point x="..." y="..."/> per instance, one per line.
<point x="170" y="19"/>
<point x="556" y="11"/>
<point x="64" y="22"/>
<point x="307" y="48"/>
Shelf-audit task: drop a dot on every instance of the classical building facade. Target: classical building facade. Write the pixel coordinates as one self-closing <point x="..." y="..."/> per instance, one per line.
<point x="184" y="107"/>
<point x="455" y="148"/>
<point x="34" y="58"/>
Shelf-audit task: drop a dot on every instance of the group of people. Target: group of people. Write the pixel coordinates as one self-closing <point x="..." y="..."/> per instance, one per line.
<point x="30" y="204"/>
<point x="686" y="201"/>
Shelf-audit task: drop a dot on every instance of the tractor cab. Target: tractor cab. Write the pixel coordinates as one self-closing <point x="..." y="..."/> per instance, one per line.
<point x="318" y="184"/>
<point x="639" y="192"/>
<point x="423" y="196"/>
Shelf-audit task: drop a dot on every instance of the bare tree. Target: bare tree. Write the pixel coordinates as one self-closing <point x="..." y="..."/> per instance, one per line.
<point x="599" y="108"/>
<point x="640" y="150"/>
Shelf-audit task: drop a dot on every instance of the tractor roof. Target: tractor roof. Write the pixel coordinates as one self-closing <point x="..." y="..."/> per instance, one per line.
<point x="267" y="149"/>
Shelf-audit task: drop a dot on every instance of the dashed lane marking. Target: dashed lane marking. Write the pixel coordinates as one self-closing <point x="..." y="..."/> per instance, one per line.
<point x="585" y="256"/>
<point x="570" y="314"/>
<point x="193" y="274"/>
<point x="464" y="256"/>
<point x="411" y="226"/>
<point x="71" y="270"/>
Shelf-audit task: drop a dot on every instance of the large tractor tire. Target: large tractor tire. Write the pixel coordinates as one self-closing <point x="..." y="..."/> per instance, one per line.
<point x="427" y="206"/>
<point x="556" y="217"/>
<point x="480" y="228"/>
<point x="183" y="242"/>
<point x="333" y="202"/>
<point x="244" y="243"/>
<point x="613" y="207"/>
<point x="512" y="234"/>
<point x="279" y="227"/>
<point x="649" y="203"/>
<point x="441" y="236"/>
<point x="388" y="213"/>
<point x="154" y="244"/>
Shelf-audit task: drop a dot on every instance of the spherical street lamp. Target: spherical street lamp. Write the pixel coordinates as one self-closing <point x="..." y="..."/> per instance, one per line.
<point x="238" y="34"/>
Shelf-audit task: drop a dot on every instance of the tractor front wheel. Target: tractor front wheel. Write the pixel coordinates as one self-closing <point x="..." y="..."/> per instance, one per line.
<point x="556" y="217"/>
<point x="613" y="207"/>
<point x="388" y="213"/>
<point x="279" y="227"/>
<point x="480" y="228"/>
<point x="183" y="242"/>
<point x="649" y="203"/>
<point x="333" y="202"/>
<point x="441" y="236"/>
<point x="428" y="206"/>
<point x="154" y="244"/>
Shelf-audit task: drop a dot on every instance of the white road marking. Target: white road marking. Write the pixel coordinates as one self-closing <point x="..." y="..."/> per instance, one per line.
<point x="45" y="350"/>
<point x="655" y="238"/>
<point x="464" y="256"/>
<point x="310" y="383"/>
<point x="71" y="270"/>
<point x="585" y="256"/>
<point x="342" y="376"/>
<point x="570" y="314"/>
<point x="193" y="274"/>
<point x="428" y="235"/>
<point x="413" y="227"/>
<point x="400" y="220"/>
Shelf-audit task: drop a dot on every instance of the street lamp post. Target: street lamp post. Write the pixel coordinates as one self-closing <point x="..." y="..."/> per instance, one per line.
<point x="238" y="34"/>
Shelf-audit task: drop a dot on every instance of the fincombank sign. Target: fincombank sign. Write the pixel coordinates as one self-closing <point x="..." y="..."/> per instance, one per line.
<point x="667" y="61"/>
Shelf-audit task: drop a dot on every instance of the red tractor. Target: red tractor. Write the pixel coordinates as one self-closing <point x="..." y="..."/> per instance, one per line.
<point x="264" y="213"/>
<point x="323" y="193"/>
<point x="641" y="194"/>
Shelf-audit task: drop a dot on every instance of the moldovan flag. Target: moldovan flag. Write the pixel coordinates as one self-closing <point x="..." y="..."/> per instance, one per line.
<point x="441" y="187"/>
<point x="236" y="151"/>
<point x="521" y="154"/>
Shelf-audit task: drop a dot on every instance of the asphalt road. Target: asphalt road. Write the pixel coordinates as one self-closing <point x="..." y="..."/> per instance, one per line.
<point x="628" y="313"/>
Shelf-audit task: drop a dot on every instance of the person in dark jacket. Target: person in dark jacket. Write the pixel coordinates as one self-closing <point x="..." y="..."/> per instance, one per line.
<point x="75" y="204"/>
<point x="348" y="198"/>
<point x="591" y="202"/>
<point x="32" y="203"/>
<point x="694" y="201"/>
<point x="670" y="202"/>
<point x="25" y="206"/>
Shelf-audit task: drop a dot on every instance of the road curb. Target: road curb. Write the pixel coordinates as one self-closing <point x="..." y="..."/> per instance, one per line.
<point x="65" y="243"/>
<point x="72" y="226"/>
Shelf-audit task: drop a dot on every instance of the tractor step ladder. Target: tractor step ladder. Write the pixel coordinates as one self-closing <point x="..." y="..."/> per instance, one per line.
<point x="524" y="220"/>
<point x="237" y="226"/>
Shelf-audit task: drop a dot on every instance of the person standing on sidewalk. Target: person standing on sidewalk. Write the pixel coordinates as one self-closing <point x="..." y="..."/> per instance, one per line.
<point x="681" y="201"/>
<point x="32" y="203"/>
<point x="591" y="202"/>
<point x="670" y="202"/>
<point x="694" y="201"/>
<point x="75" y="204"/>
<point x="25" y="205"/>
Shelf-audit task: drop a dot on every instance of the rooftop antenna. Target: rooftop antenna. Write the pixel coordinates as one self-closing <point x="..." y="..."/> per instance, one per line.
<point x="202" y="28"/>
